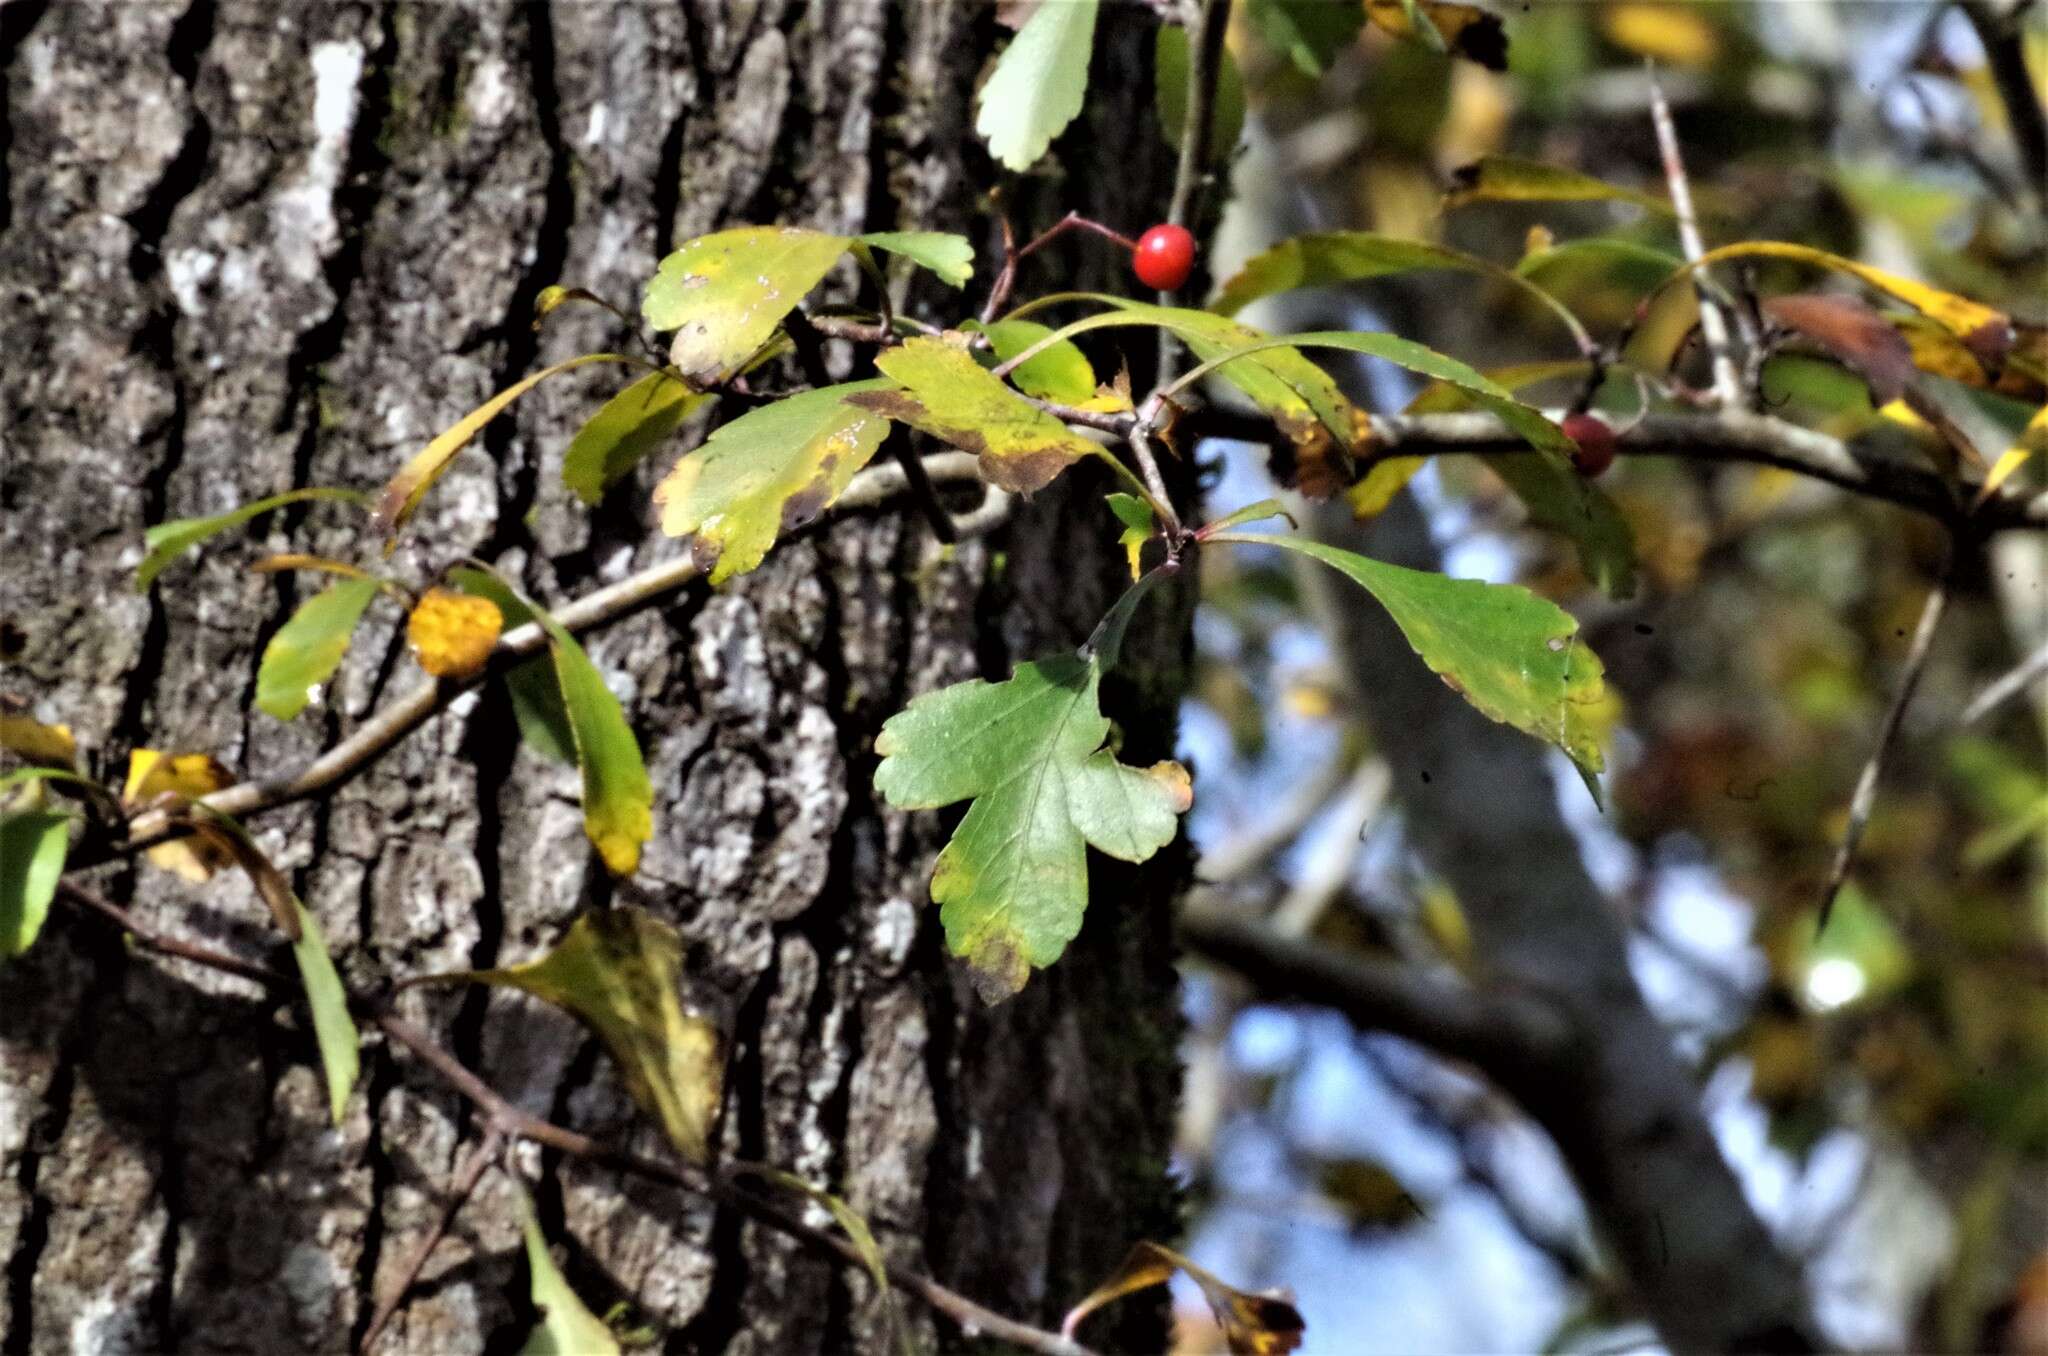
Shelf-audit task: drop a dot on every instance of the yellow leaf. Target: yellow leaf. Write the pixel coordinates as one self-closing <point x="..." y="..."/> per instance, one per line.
<point x="1465" y="30"/>
<point x="1253" y="1324"/>
<point x="2033" y="439"/>
<point x="453" y="634"/>
<point x="1673" y="33"/>
<point x="185" y="777"/>
<point x="35" y="742"/>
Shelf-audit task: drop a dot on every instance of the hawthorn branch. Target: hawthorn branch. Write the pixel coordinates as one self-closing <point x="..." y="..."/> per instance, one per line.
<point x="459" y="1191"/>
<point x="509" y="1121"/>
<point x="1713" y="324"/>
<point x="872" y="488"/>
<point x="2002" y="690"/>
<point x="1205" y="66"/>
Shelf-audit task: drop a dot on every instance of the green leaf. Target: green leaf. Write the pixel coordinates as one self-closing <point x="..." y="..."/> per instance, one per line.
<point x="1513" y="655"/>
<point x="767" y="472"/>
<point x="536" y="696"/>
<point x="620" y="972"/>
<point x="1567" y="503"/>
<point x="624" y="430"/>
<point x="403" y="492"/>
<point x="333" y="1029"/>
<point x="1509" y="178"/>
<point x="1038" y="83"/>
<point x="566" y="1327"/>
<point x="168" y="541"/>
<point x="949" y="256"/>
<point x="1310" y="33"/>
<point x="724" y="294"/>
<point x="950" y="396"/>
<point x="1250" y="513"/>
<point x="618" y="799"/>
<point x="1140" y="525"/>
<point x="1170" y="94"/>
<point x="307" y="650"/>
<point x="1031" y="753"/>
<point x="1620" y="254"/>
<point x="1325" y="258"/>
<point x="33" y="844"/>
<point x="1059" y="372"/>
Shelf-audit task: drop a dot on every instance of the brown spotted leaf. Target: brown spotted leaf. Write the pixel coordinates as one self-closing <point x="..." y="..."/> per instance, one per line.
<point x="947" y="394"/>
<point x="724" y="294"/>
<point x="769" y="471"/>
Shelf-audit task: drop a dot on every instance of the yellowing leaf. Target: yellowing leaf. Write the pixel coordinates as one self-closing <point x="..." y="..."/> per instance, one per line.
<point x="1253" y="1325"/>
<point x="403" y="492"/>
<point x="1464" y="30"/>
<point x="1139" y="526"/>
<point x="452" y="633"/>
<point x="618" y="799"/>
<point x="1514" y="656"/>
<point x="2033" y="441"/>
<point x="334" y="1031"/>
<point x="182" y="777"/>
<point x="1376" y="489"/>
<point x="1674" y="33"/>
<point x="167" y="541"/>
<point x="620" y="972"/>
<point x="950" y="396"/>
<point x="624" y="431"/>
<point x="1031" y="753"/>
<point x="298" y="560"/>
<point x="307" y="649"/>
<point x="1511" y="178"/>
<point x="35" y="742"/>
<point x="33" y="845"/>
<point x="769" y="471"/>
<point x="536" y="696"/>
<point x="724" y="294"/>
<point x="1038" y="83"/>
<point x="566" y="1327"/>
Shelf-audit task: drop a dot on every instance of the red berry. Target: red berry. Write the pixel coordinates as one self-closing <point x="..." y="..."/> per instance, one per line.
<point x="1595" y="450"/>
<point x="1164" y="257"/>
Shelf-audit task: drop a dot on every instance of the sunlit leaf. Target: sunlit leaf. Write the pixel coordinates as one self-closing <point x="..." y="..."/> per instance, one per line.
<point x="1679" y="35"/>
<point x="1253" y="1325"/>
<point x="179" y="778"/>
<point x="334" y="1031"/>
<point x="1324" y="258"/>
<point x="34" y="742"/>
<point x="1170" y="93"/>
<point x="1060" y="372"/>
<point x="536" y="696"/>
<point x="1038" y="83"/>
<point x="725" y="293"/>
<point x="620" y="972"/>
<point x="947" y="394"/>
<point x="1510" y="178"/>
<point x="453" y="634"/>
<point x="2033" y="442"/>
<point x="403" y="492"/>
<point x="618" y="799"/>
<point x="33" y="844"/>
<point x="949" y="256"/>
<point x="624" y="431"/>
<point x="307" y="650"/>
<point x="1032" y="754"/>
<point x="1464" y="30"/>
<point x="1140" y="526"/>
<point x="1310" y="33"/>
<point x="768" y="472"/>
<point x="286" y="561"/>
<point x="566" y="1327"/>
<point x="167" y="541"/>
<point x="1514" y="656"/>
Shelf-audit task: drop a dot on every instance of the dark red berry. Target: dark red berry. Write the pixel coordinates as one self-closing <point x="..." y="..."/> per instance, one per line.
<point x="1594" y="452"/>
<point x="1164" y="257"/>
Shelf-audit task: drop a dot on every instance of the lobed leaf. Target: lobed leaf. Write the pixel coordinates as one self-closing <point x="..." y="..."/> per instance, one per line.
<point x="403" y="492"/>
<point x="945" y="393"/>
<point x="1510" y="178"/>
<point x="724" y="294"/>
<point x="1514" y="656"/>
<point x="624" y="431"/>
<point x="1038" y="84"/>
<point x="33" y="845"/>
<point x="1031" y="753"/>
<point x="167" y="541"/>
<point x="769" y="471"/>
<point x="620" y="972"/>
<point x="334" y="1031"/>
<point x="307" y="649"/>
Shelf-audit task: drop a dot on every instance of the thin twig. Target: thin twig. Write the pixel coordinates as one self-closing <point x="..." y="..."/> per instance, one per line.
<point x="504" y="1118"/>
<point x="1205" y="65"/>
<point x="1861" y="804"/>
<point x="1155" y="484"/>
<point x="871" y="488"/>
<point x="1713" y="325"/>
<point x="2002" y="690"/>
<point x="460" y="1189"/>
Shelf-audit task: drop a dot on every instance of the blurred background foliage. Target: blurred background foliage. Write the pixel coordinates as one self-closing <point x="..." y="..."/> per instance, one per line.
<point x="1883" y="1087"/>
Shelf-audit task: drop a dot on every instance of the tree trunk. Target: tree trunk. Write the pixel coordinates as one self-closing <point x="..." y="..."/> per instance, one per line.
<point x="249" y="247"/>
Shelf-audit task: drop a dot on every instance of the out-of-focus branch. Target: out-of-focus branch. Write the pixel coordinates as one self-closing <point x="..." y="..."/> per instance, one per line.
<point x="2002" y="690"/>
<point x="2005" y="53"/>
<point x="1713" y="324"/>
<point x="1497" y="1033"/>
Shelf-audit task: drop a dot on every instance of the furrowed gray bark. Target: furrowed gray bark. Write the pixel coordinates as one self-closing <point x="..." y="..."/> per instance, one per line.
<point x="249" y="247"/>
